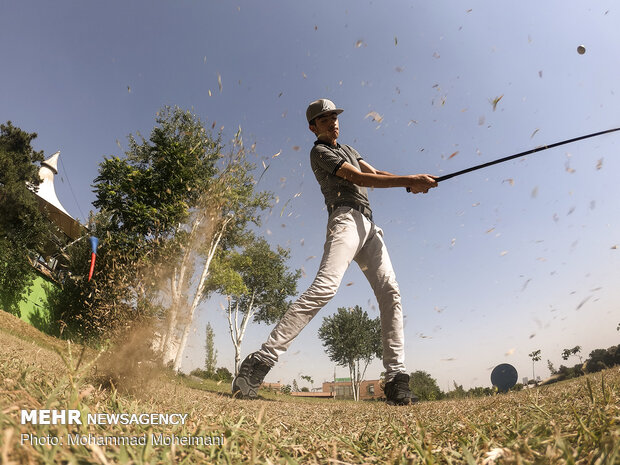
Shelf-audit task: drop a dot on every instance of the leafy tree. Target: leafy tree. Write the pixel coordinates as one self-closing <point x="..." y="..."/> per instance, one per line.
<point x="257" y="284"/>
<point x="568" y="373"/>
<point x="117" y="298"/>
<point x="149" y="196"/>
<point x="603" y="358"/>
<point x="457" y="393"/>
<point x="535" y="356"/>
<point x="480" y="391"/>
<point x="144" y="199"/>
<point x="566" y="353"/>
<point x="211" y="351"/>
<point x="598" y="360"/>
<point x="164" y="210"/>
<point x="295" y="386"/>
<point x="200" y="373"/>
<point x="229" y="206"/>
<point x="286" y="389"/>
<point x="551" y="368"/>
<point x="223" y="374"/>
<point x="22" y="227"/>
<point x="308" y="379"/>
<point x="352" y="339"/>
<point x="424" y="386"/>
<point x="220" y="374"/>
<point x="151" y="190"/>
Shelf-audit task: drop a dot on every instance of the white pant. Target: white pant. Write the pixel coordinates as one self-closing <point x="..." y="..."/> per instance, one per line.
<point x="350" y="236"/>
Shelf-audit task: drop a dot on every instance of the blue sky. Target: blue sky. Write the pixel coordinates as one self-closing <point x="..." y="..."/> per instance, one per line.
<point x="492" y="265"/>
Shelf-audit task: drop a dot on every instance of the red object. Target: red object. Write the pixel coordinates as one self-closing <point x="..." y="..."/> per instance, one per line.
<point x="92" y="265"/>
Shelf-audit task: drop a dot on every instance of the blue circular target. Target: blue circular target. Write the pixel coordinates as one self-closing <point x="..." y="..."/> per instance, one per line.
<point x="504" y="376"/>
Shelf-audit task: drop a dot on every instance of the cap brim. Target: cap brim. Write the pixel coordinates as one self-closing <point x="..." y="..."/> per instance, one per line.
<point x="335" y="110"/>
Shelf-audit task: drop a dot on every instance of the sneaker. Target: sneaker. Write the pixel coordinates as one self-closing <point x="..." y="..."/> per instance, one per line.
<point x="252" y="372"/>
<point x="397" y="391"/>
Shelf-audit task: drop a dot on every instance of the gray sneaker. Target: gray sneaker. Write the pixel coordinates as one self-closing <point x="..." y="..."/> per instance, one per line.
<point x="397" y="391"/>
<point x="252" y="372"/>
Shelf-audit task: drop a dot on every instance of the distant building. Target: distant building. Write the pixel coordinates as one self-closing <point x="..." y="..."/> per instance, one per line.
<point x="342" y="389"/>
<point x="327" y="395"/>
<point x="272" y="386"/>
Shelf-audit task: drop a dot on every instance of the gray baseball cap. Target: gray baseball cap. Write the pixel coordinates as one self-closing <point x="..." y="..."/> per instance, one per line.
<point x="320" y="107"/>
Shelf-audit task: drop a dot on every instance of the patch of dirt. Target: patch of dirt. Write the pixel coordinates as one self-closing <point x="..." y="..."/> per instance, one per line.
<point x="130" y="363"/>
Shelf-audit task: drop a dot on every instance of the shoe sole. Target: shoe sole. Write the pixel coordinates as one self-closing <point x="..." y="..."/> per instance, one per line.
<point x="242" y="390"/>
<point x="398" y="404"/>
<point x="405" y="401"/>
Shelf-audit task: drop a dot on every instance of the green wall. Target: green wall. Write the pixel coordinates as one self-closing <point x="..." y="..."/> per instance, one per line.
<point x="33" y="308"/>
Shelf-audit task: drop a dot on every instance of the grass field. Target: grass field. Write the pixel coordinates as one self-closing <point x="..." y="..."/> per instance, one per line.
<point x="573" y="422"/>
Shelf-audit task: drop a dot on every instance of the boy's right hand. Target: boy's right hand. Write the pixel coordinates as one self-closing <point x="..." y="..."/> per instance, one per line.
<point x="421" y="183"/>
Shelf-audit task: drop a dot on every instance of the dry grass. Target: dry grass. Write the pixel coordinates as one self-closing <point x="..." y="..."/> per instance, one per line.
<point x="575" y="422"/>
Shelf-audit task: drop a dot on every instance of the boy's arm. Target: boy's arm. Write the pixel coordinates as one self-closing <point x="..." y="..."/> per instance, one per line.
<point x="416" y="182"/>
<point x="367" y="168"/>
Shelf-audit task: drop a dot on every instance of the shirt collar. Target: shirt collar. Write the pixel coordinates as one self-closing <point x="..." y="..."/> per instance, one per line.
<point x="318" y="142"/>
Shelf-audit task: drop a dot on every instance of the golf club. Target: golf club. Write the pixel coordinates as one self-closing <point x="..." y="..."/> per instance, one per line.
<point x="522" y="154"/>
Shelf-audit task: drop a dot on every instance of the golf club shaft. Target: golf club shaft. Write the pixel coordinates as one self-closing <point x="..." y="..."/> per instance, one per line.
<point x="522" y="154"/>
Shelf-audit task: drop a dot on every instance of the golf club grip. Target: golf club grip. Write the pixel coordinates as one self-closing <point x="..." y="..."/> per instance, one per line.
<point x="522" y="154"/>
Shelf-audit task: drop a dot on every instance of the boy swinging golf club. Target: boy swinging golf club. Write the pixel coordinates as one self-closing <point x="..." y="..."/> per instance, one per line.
<point x="351" y="235"/>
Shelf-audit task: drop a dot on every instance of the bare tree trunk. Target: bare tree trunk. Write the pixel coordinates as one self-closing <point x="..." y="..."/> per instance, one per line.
<point x="359" y="379"/>
<point x="178" y="282"/>
<point x="199" y="293"/>
<point x="234" y="330"/>
<point x="166" y="345"/>
<point x="353" y="383"/>
<point x="357" y="376"/>
<point x="237" y="332"/>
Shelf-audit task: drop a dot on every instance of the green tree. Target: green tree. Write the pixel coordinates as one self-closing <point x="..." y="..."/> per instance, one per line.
<point x="22" y="227"/>
<point x="211" y="352"/>
<point x="199" y="373"/>
<point x="115" y="300"/>
<point x="457" y="393"/>
<point x="566" y="353"/>
<point x="257" y="283"/>
<point x="479" y="391"/>
<point x="352" y="339"/>
<point x="223" y="374"/>
<point x="145" y="200"/>
<point x="228" y="207"/>
<point x="568" y="372"/>
<point x="150" y="191"/>
<point x="165" y="208"/>
<point x="309" y="379"/>
<point x="424" y="386"/>
<point x="535" y="356"/>
<point x="154" y="199"/>
<point x="603" y="358"/>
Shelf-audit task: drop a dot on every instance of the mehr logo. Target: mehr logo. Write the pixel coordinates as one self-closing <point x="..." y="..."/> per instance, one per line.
<point x="51" y="417"/>
<point x="72" y="417"/>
